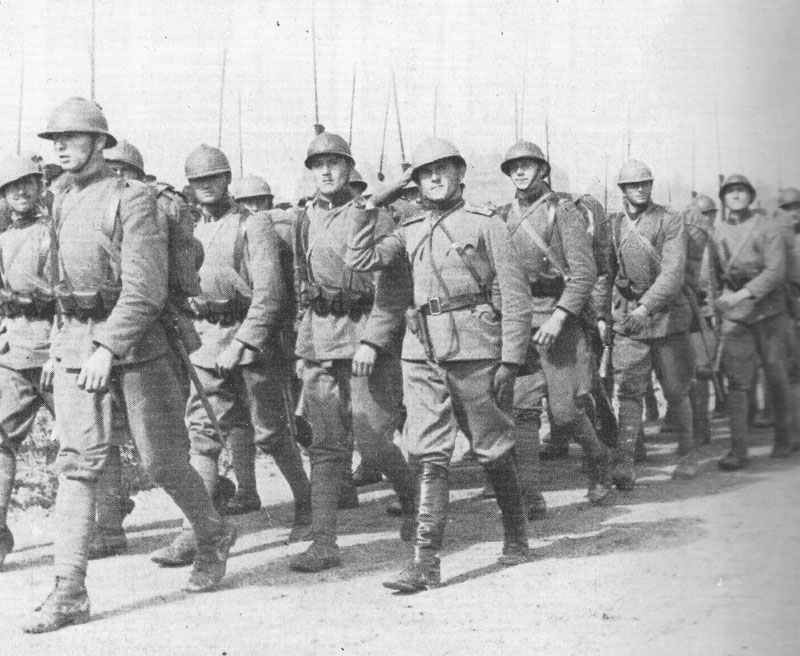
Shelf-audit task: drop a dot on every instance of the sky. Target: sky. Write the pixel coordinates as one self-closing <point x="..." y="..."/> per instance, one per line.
<point x="666" y="76"/>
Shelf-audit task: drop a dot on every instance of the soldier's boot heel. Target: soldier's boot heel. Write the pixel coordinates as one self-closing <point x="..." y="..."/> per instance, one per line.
<point x="319" y="556"/>
<point x="178" y="553"/>
<point x="503" y="475"/>
<point x="422" y="573"/>
<point x="67" y="604"/>
<point x="6" y="544"/>
<point x="211" y="561"/>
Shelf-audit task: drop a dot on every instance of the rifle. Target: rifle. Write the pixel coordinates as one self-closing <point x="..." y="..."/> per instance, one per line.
<point x="318" y="127"/>
<point x="715" y="358"/>
<point x="403" y="161"/>
<point x="383" y="141"/>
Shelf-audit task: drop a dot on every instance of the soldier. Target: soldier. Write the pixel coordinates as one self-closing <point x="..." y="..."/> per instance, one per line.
<point x="651" y="317"/>
<point x="241" y="366"/>
<point x="788" y="215"/>
<point x="348" y="342"/>
<point x="112" y="255"/>
<point x="253" y="193"/>
<point x="357" y="183"/>
<point x="465" y="340"/>
<point x="750" y="265"/>
<point x="27" y="306"/>
<point x="552" y="243"/>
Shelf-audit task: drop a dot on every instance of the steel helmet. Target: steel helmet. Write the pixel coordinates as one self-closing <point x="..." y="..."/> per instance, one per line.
<point x="206" y="160"/>
<point x="525" y="150"/>
<point x="250" y="186"/>
<point x="432" y="150"/>
<point x="788" y="196"/>
<point x="16" y="167"/>
<point x="126" y="153"/>
<point x="705" y="204"/>
<point x="78" y="115"/>
<point x="328" y="143"/>
<point x="737" y="179"/>
<point x="632" y="171"/>
<point x="357" y="182"/>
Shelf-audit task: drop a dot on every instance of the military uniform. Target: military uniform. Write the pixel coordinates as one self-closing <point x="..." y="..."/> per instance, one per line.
<point x="27" y="306"/>
<point x="751" y="253"/>
<point x="472" y="316"/>
<point x="649" y="267"/>
<point x="342" y="309"/>
<point x="551" y="241"/>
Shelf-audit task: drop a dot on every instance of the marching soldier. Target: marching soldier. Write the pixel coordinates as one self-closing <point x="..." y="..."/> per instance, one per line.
<point x="551" y="241"/>
<point x="27" y="306"/>
<point x="112" y="266"/>
<point x="240" y="314"/>
<point x="357" y="183"/>
<point x="253" y="193"/>
<point x="651" y="316"/>
<point x="465" y="340"/>
<point x="750" y="265"/>
<point x="348" y="342"/>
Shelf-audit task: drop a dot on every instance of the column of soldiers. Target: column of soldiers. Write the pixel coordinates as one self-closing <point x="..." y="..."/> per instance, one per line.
<point x="192" y="325"/>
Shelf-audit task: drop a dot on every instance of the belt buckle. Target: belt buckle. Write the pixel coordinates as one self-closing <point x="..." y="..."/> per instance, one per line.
<point x="434" y="305"/>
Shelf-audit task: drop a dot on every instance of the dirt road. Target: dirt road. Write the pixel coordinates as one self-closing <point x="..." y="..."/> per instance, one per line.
<point x="706" y="567"/>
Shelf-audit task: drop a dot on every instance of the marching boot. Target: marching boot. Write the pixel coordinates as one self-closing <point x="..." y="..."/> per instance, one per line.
<point x="687" y="466"/>
<point x="424" y="570"/>
<point x="326" y="484"/>
<point x="243" y="457"/>
<point x="640" y="452"/>
<point x="527" y="455"/>
<point x="630" y="424"/>
<point x="8" y="469"/>
<point x="108" y="537"/>
<point x="503" y="475"/>
<point x="348" y="494"/>
<point x="738" y="413"/>
<point x="394" y="466"/>
<point x="779" y="393"/>
<point x="183" y="549"/>
<point x="699" y="395"/>
<point x="651" y="404"/>
<point x="287" y="458"/>
<point x="211" y="561"/>
<point x="598" y="458"/>
<point x="794" y="399"/>
<point x="366" y="475"/>
<point x="68" y="602"/>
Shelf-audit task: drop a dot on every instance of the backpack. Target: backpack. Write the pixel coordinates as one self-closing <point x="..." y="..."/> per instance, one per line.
<point x="597" y="225"/>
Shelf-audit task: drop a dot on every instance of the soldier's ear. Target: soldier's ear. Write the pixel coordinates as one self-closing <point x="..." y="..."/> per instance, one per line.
<point x="462" y="171"/>
<point x="99" y="143"/>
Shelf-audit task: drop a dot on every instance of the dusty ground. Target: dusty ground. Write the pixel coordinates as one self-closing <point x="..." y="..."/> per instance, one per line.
<point x="707" y="567"/>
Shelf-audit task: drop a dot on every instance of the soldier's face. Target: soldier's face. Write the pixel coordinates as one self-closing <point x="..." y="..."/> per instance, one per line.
<point x="125" y="171"/>
<point x="210" y="189"/>
<point x="331" y="173"/>
<point x="75" y="149"/>
<point x="524" y="172"/>
<point x="737" y="197"/>
<point x="258" y="204"/>
<point x="638" y="193"/>
<point x="440" y="180"/>
<point x="711" y="214"/>
<point x="22" y="195"/>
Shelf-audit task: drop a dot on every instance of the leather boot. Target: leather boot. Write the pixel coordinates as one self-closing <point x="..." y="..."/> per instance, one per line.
<point x="366" y="475"/>
<point x="651" y="405"/>
<point x="8" y="468"/>
<point x="682" y="415"/>
<point x="424" y="570"/>
<point x="598" y="458"/>
<point x="67" y="604"/>
<point x="505" y="480"/>
<point x="326" y="484"/>
<point x="108" y="537"/>
<point x="630" y="425"/>
<point x="699" y="396"/>
<point x="287" y="458"/>
<point x="211" y="561"/>
<point x="778" y="393"/>
<point x="348" y="493"/>
<point x="394" y="466"/>
<point x="738" y="414"/>
<point x="243" y="457"/>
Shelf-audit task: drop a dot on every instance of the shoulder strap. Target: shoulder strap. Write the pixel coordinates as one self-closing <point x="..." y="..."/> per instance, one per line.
<point x="645" y="243"/>
<point x="539" y="241"/>
<point x="110" y="236"/>
<point x="240" y="243"/>
<point x="727" y="266"/>
<point x="460" y="250"/>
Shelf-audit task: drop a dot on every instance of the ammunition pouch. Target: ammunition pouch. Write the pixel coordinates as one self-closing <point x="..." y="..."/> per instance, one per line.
<point x="33" y="305"/>
<point x="222" y="311"/>
<point x="625" y="289"/>
<point x="548" y="286"/>
<point x="88" y="305"/>
<point x="339" y="302"/>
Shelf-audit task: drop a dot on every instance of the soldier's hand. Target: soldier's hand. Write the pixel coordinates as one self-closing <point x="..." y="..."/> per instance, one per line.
<point x="46" y="378"/>
<point x="637" y="319"/>
<point x="503" y="382"/>
<point x="95" y="372"/>
<point x="604" y="330"/>
<point x="230" y="357"/>
<point x="729" y="300"/>
<point x="550" y="329"/>
<point x="364" y="360"/>
<point x="299" y="367"/>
